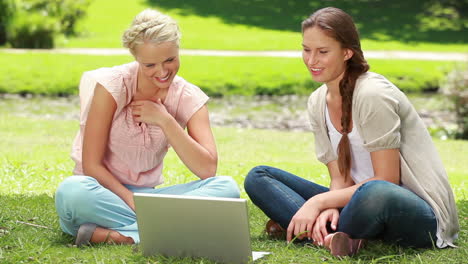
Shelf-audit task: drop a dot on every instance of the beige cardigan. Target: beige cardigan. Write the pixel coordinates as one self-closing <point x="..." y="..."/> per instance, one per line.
<point x="385" y="119"/>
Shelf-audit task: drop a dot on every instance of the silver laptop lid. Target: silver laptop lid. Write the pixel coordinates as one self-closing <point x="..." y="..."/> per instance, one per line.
<point x="190" y="226"/>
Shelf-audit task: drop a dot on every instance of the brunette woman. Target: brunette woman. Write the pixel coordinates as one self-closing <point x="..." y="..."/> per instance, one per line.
<point x="387" y="180"/>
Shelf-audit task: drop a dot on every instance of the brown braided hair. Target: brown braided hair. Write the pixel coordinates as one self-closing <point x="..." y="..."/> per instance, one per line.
<point x="339" y="25"/>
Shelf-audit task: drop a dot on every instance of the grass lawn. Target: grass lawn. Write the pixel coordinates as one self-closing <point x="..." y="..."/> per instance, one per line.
<point x="59" y="74"/>
<point x="275" y="24"/>
<point x="34" y="159"/>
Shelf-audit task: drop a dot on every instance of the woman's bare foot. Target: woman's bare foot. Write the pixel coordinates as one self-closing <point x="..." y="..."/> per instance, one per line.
<point x="104" y="235"/>
<point x="326" y="240"/>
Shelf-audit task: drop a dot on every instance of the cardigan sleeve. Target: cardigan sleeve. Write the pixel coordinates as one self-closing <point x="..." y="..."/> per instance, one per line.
<point x="377" y="109"/>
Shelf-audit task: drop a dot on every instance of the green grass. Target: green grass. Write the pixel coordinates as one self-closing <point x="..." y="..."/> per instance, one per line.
<point x="34" y="159"/>
<point x="59" y="74"/>
<point x="275" y="25"/>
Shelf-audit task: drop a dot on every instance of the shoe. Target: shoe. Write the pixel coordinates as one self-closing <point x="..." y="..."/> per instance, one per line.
<point x="274" y="230"/>
<point x="85" y="232"/>
<point x="340" y="244"/>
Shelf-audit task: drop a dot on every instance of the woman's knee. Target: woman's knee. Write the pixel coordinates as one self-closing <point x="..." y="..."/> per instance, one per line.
<point x="379" y="194"/>
<point x="229" y="186"/>
<point x="73" y="189"/>
<point x="254" y="177"/>
<point x="377" y="188"/>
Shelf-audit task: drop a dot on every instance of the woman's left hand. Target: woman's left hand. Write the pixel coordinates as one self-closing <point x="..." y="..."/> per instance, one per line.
<point x="303" y="220"/>
<point x="149" y="112"/>
<point x="320" y="231"/>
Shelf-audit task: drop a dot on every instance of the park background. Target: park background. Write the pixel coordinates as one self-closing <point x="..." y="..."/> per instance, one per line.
<point x="39" y="108"/>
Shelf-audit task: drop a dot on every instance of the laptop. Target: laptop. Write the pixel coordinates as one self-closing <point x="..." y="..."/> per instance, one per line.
<point x="192" y="226"/>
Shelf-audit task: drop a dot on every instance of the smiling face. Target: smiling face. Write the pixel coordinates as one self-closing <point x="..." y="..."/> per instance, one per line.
<point x="159" y="63"/>
<point x="324" y="57"/>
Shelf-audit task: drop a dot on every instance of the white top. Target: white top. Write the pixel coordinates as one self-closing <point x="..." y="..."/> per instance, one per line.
<point x="361" y="163"/>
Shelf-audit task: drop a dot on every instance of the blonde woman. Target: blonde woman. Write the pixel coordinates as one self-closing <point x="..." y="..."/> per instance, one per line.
<point x="130" y="115"/>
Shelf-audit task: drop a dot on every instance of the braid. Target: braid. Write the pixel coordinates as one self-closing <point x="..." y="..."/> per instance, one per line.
<point x="354" y="68"/>
<point x="132" y="33"/>
<point x="344" y="151"/>
<point x="150" y="26"/>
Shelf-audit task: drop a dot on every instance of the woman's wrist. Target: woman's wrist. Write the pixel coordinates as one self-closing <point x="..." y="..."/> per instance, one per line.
<point x="318" y="202"/>
<point x="166" y="122"/>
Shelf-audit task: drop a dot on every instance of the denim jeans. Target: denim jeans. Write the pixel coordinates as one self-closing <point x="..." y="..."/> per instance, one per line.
<point x="81" y="199"/>
<point x="377" y="210"/>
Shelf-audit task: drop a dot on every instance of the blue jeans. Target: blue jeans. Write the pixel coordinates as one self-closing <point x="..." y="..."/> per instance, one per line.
<point x="81" y="199"/>
<point x="377" y="210"/>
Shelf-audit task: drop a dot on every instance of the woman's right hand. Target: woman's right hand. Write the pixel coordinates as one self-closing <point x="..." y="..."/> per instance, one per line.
<point x="303" y="221"/>
<point x="150" y="112"/>
<point x="319" y="230"/>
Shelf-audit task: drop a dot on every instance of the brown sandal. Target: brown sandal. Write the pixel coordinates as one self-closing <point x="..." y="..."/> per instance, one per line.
<point x="274" y="230"/>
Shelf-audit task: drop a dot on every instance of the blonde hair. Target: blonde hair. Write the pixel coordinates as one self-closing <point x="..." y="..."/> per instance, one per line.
<point x="150" y="26"/>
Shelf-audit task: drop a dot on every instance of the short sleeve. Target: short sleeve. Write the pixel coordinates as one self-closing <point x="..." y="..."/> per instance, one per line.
<point x="191" y="100"/>
<point x="377" y="109"/>
<point x="111" y="80"/>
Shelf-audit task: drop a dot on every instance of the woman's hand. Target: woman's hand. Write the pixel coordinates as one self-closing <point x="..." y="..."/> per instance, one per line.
<point x="303" y="221"/>
<point x="320" y="227"/>
<point x="149" y="112"/>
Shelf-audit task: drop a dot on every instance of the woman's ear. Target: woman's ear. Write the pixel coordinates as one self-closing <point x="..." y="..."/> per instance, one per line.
<point x="348" y="54"/>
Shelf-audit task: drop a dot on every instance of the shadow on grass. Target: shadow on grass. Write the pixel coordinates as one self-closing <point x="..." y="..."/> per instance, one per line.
<point x="30" y="218"/>
<point x="20" y="242"/>
<point x="398" y="20"/>
<point x="30" y="233"/>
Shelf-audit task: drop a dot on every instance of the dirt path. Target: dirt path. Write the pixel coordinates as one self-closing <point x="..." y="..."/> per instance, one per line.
<point x="416" y="55"/>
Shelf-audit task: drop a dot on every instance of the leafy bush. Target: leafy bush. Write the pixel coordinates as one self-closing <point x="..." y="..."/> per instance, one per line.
<point x="444" y="15"/>
<point x="6" y="15"/>
<point x="456" y="86"/>
<point x="32" y="30"/>
<point x="36" y="23"/>
<point x="66" y="12"/>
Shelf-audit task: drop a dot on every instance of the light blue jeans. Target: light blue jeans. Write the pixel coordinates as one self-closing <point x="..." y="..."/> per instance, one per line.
<point x="81" y="199"/>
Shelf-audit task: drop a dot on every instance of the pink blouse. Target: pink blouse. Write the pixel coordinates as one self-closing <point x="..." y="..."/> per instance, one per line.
<point x="134" y="153"/>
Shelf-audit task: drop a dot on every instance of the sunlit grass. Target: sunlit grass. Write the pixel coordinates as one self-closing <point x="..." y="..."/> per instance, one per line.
<point x="59" y="74"/>
<point x="34" y="159"/>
